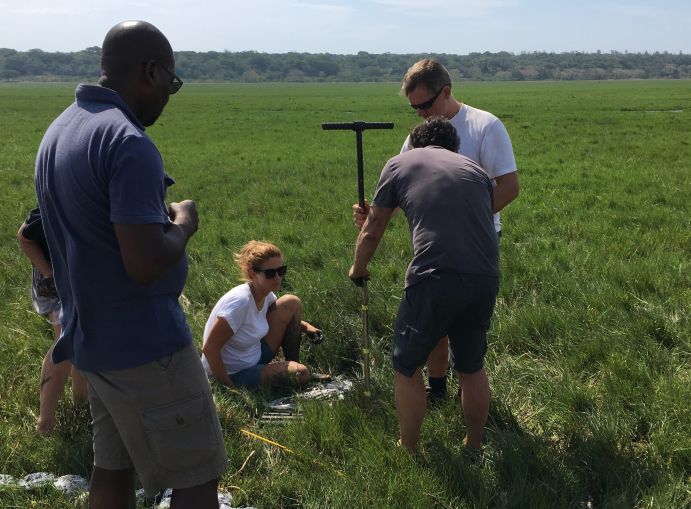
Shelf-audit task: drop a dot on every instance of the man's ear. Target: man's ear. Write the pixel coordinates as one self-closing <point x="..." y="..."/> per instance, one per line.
<point x="149" y="71"/>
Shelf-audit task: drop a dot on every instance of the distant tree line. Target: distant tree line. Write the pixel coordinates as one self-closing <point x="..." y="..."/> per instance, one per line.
<point x="251" y="66"/>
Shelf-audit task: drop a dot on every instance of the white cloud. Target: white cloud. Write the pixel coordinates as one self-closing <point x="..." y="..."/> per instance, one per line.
<point x="324" y="7"/>
<point x="446" y="8"/>
<point x="51" y="9"/>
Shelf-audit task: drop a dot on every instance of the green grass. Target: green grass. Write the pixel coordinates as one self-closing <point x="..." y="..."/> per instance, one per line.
<point x="589" y="349"/>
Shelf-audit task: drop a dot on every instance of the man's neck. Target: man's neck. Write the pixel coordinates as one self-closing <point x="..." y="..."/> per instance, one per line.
<point x="454" y="108"/>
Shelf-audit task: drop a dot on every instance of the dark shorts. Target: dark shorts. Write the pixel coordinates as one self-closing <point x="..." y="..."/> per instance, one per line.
<point x="250" y="378"/>
<point x="457" y="305"/>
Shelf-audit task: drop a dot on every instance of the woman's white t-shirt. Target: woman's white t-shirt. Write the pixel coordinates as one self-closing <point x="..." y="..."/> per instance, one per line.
<point x="249" y="324"/>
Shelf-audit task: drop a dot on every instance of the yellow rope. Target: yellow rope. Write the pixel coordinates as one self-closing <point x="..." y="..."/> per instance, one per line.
<point x="283" y="447"/>
<point x="259" y="437"/>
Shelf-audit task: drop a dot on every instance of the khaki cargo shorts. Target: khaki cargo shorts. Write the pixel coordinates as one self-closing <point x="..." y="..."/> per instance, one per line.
<point x="160" y="419"/>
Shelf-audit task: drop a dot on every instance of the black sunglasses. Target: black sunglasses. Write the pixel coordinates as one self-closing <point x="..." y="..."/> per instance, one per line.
<point x="271" y="273"/>
<point x="428" y="104"/>
<point x="175" y="82"/>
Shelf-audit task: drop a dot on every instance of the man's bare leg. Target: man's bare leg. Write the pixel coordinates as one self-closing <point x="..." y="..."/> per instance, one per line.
<point x="112" y="489"/>
<point x="411" y="405"/>
<point x="53" y="379"/>
<point x="475" y="399"/>
<point x="203" y="496"/>
<point x="52" y="385"/>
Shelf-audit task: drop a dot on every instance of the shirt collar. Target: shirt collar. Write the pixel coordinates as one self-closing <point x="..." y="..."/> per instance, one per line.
<point x="97" y="93"/>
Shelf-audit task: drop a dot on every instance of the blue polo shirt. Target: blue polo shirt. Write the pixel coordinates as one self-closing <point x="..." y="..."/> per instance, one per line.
<point x="96" y="167"/>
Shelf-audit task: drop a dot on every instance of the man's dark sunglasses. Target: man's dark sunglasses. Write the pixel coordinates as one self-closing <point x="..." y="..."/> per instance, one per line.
<point x="271" y="273"/>
<point x="175" y="82"/>
<point x="428" y="104"/>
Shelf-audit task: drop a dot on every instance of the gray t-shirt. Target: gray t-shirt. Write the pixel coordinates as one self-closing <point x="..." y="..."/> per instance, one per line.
<point x="447" y="199"/>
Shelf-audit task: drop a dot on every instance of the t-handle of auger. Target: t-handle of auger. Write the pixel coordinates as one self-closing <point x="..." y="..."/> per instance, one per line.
<point x="358" y="126"/>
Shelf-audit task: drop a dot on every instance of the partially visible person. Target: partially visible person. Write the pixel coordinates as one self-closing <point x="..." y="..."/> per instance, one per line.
<point x="482" y="138"/>
<point x="46" y="302"/>
<point x="453" y="279"/>
<point x="249" y="324"/>
<point x="119" y="263"/>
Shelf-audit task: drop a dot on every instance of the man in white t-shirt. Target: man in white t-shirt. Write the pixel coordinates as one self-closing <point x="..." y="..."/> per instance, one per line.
<point x="484" y="139"/>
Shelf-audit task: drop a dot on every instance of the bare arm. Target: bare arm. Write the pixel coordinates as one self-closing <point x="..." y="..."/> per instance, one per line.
<point x="219" y="335"/>
<point x="33" y="252"/>
<point x="505" y="191"/>
<point x="149" y="250"/>
<point x="368" y="239"/>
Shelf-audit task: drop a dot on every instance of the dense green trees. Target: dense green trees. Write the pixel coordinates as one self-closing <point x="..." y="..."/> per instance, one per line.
<point x="250" y="66"/>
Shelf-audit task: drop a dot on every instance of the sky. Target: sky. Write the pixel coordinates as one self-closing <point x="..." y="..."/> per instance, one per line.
<point x="346" y="27"/>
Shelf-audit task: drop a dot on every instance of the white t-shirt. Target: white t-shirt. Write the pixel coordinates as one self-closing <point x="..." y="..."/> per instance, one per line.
<point x="249" y="324"/>
<point x="484" y="140"/>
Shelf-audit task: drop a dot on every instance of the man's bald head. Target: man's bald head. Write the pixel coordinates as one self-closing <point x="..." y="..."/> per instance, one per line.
<point x="129" y="43"/>
<point x="137" y="62"/>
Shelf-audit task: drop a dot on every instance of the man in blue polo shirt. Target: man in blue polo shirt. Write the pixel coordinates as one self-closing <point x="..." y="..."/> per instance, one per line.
<point x="119" y="265"/>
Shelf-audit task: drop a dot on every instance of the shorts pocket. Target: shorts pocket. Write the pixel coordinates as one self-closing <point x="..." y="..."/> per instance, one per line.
<point x="182" y="434"/>
<point x="411" y="349"/>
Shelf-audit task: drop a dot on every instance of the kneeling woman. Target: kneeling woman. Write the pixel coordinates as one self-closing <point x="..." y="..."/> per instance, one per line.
<point x="249" y="324"/>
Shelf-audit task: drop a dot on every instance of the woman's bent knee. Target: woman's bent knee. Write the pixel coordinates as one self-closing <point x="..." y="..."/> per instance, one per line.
<point x="291" y="302"/>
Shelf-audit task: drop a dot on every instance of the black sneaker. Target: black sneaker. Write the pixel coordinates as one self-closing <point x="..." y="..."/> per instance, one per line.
<point x="315" y="337"/>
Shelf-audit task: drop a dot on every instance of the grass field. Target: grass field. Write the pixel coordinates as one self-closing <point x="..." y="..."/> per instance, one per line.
<point x="589" y="357"/>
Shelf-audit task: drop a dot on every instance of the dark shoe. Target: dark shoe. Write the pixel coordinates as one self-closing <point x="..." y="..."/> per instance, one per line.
<point x="315" y="337"/>
<point x="435" y="399"/>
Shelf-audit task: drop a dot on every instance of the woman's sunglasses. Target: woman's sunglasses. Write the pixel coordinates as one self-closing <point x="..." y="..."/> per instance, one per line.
<point x="271" y="273"/>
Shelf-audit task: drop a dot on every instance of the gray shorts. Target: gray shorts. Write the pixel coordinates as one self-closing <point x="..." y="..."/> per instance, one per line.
<point x="457" y="305"/>
<point x="44" y="296"/>
<point x="159" y="418"/>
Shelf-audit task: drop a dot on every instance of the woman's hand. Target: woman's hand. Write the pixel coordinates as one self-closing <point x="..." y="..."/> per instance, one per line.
<point x="315" y="335"/>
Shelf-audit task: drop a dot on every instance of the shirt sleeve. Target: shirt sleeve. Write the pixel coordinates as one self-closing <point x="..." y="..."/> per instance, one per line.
<point x="137" y="186"/>
<point x="406" y="145"/>
<point x="496" y="152"/>
<point x="386" y="194"/>
<point x="270" y="299"/>
<point x="234" y="312"/>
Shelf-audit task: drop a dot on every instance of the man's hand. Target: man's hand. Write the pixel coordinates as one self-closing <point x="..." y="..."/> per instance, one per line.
<point x="358" y="276"/>
<point x="360" y="214"/>
<point x="184" y="214"/>
<point x="149" y="250"/>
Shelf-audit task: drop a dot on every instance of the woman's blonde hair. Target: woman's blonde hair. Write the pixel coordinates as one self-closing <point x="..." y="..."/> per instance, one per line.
<point x="253" y="254"/>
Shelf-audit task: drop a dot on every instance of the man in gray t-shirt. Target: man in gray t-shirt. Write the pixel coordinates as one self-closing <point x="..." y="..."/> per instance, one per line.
<point x="453" y="279"/>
